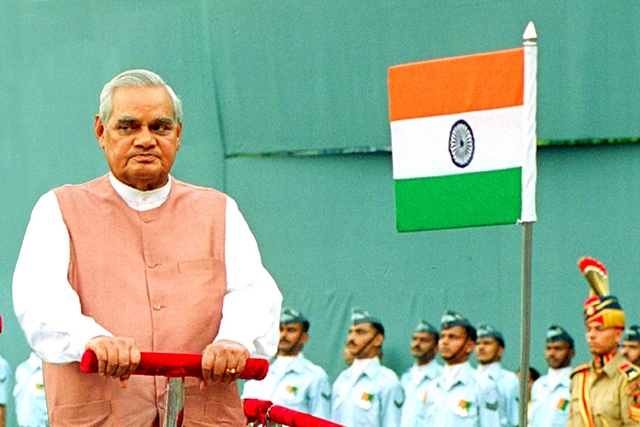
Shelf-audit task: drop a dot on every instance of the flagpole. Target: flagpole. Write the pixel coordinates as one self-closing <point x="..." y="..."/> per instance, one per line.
<point x="528" y="211"/>
<point x="526" y="322"/>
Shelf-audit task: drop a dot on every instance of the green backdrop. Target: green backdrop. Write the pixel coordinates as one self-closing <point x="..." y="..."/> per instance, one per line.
<point x="292" y="78"/>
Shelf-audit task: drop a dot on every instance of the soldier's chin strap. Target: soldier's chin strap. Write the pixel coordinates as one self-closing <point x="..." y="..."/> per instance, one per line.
<point x="359" y="352"/>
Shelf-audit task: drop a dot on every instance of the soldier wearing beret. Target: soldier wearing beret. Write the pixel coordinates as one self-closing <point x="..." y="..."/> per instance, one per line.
<point x="293" y="381"/>
<point x="631" y="344"/>
<point x="489" y="350"/>
<point x="424" y="346"/>
<point x="460" y="397"/>
<point x="605" y="392"/>
<point x="550" y="394"/>
<point x="367" y="393"/>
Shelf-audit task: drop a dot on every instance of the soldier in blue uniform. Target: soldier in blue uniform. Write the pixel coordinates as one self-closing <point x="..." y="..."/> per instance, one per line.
<point x="630" y="348"/>
<point x="366" y="394"/>
<point x="293" y="381"/>
<point x="489" y="349"/>
<point x="550" y="394"/>
<point x="424" y="346"/>
<point x="460" y="397"/>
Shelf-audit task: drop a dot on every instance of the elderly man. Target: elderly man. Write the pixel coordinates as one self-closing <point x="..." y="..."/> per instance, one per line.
<point x="460" y="397"/>
<point x="424" y="346"/>
<point x="605" y="391"/>
<point x="137" y="260"/>
<point x="489" y="350"/>
<point x="631" y="344"/>
<point x="550" y="393"/>
<point x="293" y="381"/>
<point x="366" y="393"/>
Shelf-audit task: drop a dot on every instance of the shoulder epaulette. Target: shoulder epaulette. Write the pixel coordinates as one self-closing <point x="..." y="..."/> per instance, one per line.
<point x="580" y="368"/>
<point x="629" y="370"/>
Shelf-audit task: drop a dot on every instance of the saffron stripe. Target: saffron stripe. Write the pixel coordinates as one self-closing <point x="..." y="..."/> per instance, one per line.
<point x="437" y="87"/>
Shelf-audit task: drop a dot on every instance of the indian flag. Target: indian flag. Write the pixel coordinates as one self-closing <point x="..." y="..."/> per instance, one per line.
<point x="463" y="140"/>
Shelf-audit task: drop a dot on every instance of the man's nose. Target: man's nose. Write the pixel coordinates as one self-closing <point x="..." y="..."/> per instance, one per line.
<point x="145" y="138"/>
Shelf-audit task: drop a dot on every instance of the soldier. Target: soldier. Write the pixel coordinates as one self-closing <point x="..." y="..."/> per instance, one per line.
<point x="489" y="350"/>
<point x="460" y="397"/>
<point x="293" y="381"/>
<point x="424" y="346"/>
<point x="366" y="393"/>
<point x="606" y="391"/>
<point x="550" y="395"/>
<point x="631" y="344"/>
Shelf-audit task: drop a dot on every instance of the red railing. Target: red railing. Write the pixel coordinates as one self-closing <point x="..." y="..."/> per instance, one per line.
<point x="265" y="413"/>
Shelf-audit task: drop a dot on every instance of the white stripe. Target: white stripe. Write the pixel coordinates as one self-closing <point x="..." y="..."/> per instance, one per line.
<point x="420" y="147"/>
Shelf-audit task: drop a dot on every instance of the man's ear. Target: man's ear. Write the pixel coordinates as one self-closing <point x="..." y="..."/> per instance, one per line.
<point x="98" y="130"/>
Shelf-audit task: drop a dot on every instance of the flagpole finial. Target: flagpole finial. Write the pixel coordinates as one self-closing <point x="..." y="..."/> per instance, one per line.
<point x="530" y="33"/>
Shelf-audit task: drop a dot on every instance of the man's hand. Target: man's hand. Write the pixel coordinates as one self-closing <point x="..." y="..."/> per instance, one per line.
<point x="223" y="361"/>
<point x="118" y="357"/>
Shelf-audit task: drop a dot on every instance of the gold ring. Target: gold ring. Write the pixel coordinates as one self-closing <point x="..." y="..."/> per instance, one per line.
<point x="231" y="371"/>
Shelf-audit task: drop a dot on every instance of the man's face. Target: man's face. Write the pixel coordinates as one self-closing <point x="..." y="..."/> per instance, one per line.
<point x="488" y="350"/>
<point x="423" y="347"/>
<point x="141" y="138"/>
<point x="454" y="345"/>
<point x="558" y="354"/>
<point x="292" y="339"/>
<point x="602" y="340"/>
<point x="631" y="351"/>
<point x="364" y="340"/>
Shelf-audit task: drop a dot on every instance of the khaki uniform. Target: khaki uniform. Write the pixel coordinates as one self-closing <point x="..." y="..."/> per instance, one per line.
<point x="612" y="398"/>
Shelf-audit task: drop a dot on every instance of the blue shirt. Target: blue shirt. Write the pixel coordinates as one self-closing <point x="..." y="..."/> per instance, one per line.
<point x="509" y="390"/>
<point x="415" y="382"/>
<point x="550" y="402"/>
<point x="299" y="385"/>
<point x="5" y="381"/>
<point x="31" y="407"/>
<point x="470" y="401"/>
<point x="373" y="398"/>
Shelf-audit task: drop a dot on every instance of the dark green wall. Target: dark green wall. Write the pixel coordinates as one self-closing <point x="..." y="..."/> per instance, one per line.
<point x="292" y="76"/>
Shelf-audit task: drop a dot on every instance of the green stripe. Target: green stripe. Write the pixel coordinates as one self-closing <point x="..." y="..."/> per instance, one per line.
<point x="454" y="201"/>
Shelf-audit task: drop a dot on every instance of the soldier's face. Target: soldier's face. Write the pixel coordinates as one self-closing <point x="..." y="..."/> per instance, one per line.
<point x="454" y="345"/>
<point x="488" y="350"/>
<point x="602" y="340"/>
<point x="558" y="354"/>
<point x="423" y="346"/>
<point x="631" y="351"/>
<point x="292" y="339"/>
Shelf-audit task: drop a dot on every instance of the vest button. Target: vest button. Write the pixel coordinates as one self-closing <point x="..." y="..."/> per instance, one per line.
<point x="157" y="307"/>
<point x="151" y="264"/>
<point x="146" y="219"/>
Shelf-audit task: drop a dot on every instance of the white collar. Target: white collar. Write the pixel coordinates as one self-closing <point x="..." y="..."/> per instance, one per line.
<point x="141" y="200"/>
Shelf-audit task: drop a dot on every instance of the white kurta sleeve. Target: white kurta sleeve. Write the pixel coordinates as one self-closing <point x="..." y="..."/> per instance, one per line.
<point x="251" y="308"/>
<point x="47" y="308"/>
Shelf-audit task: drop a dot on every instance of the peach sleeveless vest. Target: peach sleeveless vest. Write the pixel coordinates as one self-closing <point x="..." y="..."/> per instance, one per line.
<point x="157" y="276"/>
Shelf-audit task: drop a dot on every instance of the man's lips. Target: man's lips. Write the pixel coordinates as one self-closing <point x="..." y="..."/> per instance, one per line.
<point x="144" y="157"/>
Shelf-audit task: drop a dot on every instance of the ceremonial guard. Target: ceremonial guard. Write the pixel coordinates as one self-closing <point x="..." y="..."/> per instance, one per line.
<point x="489" y="350"/>
<point x="366" y="394"/>
<point x="606" y="391"/>
<point x="550" y="394"/>
<point x="460" y="397"/>
<point x="424" y="346"/>
<point x="293" y="381"/>
<point x="631" y="344"/>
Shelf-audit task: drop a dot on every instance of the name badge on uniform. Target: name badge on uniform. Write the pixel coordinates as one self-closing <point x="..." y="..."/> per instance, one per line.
<point x="290" y="393"/>
<point x="462" y="408"/>
<point x="365" y="401"/>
